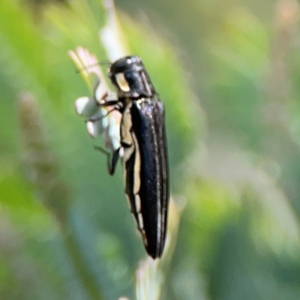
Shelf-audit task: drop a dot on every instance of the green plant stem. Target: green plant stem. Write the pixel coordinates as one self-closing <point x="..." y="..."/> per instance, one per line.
<point x="86" y="277"/>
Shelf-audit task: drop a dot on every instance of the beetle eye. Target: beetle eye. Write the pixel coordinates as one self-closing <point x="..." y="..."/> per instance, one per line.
<point x="122" y="82"/>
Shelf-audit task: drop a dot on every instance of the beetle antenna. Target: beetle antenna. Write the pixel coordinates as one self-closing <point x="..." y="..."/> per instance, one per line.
<point x="102" y="63"/>
<point x="85" y="68"/>
<point x="105" y="63"/>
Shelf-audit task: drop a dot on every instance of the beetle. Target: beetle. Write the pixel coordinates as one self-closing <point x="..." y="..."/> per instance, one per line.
<point x="143" y="140"/>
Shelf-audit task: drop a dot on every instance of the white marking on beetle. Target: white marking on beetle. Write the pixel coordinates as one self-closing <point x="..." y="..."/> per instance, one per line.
<point x="137" y="166"/>
<point x="140" y="221"/>
<point x="122" y="82"/>
<point x="126" y="126"/>
<point x="138" y="204"/>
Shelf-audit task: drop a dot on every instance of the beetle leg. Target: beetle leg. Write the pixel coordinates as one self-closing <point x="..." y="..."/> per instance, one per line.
<point x="112" y="158"/>
<point x="100" y="118"/>
<point x="116" y="106"/>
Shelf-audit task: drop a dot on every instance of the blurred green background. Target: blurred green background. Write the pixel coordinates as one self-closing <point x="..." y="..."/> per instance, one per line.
<point x="229" y="75"/>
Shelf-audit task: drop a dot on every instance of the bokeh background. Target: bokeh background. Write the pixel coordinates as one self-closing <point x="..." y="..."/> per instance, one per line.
<point x="229" y="74"/>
